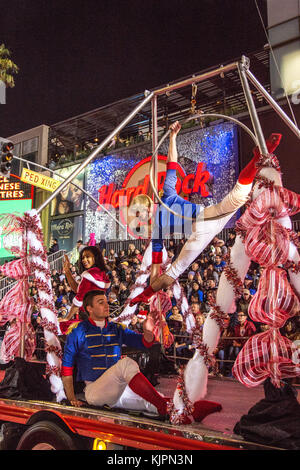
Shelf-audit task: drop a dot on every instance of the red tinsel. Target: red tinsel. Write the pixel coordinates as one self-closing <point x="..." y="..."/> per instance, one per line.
<point x="52" y="370"/>
<point x="53" y="349"/>
<point x="177" y="417"/>
<point x="50" y="326"/>
<point x="233" y="277"/>
<point x="217" y="313"/>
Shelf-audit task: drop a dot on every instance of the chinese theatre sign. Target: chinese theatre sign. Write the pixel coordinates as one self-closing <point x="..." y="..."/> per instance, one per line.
<point x="15" y="197"/>
<point x="13" y="188"/>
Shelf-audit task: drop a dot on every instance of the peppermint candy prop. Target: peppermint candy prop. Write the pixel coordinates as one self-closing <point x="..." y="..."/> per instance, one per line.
<point x="270" y="244"/>
<point x="263" y="234"/>
<point x="15" y="308"/>
<point x="192" y="386"/>
<point x="33" y="261"/>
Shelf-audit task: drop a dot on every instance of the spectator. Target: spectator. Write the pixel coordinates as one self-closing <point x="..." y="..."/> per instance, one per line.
<point x="112" y="256"/>
<point x="291" y="331"/>
<point x="102" y="245"/>
<point x="231" y="239"/>
<point x="189" y="283"/>
<point x="113" y="301"/>
<point x="121" y="256"/>
<point x="54" y="247"/>
<point x="195" y="309"/>
<point x="175" y="321"/>
<point x="244" y="301"/>
<point x="196" y="291"/>
<point x="223" y="350"/>
<point x="182" y="343"/>
<point x="123" y="270"/>
<point x="131" y="249"/>
<point x="141" y="317"/>
<point x="200" y="319"/>
<point x="124" y="293"/>
<point x="133" y="325"/>
<point x="248" y="283"/>
<point x="55" y="276"/>
<point x="241" y="333"/>
<point x="212" y="274"/>
<point x="219" y="264"/>
<point x="80" y="246"/>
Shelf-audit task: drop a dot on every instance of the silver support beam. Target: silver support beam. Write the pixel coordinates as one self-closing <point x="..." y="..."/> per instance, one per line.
<point x="104" y="143"/>
<point x="197" y="78"/>
<point x="154" y="139"/>
<point x="76" y="186"/>
<point x="242" y="67"/>
<point x="273" y="103"/>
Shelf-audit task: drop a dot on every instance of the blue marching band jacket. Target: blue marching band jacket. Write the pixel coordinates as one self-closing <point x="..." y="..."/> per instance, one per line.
<point x="94" y="349"/>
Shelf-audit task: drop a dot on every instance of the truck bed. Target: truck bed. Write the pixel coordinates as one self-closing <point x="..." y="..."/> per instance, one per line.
<point x="134" y="430"/>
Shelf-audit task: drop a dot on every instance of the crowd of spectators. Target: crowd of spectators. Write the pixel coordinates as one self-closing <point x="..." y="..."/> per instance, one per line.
<point x="199" y="284"/>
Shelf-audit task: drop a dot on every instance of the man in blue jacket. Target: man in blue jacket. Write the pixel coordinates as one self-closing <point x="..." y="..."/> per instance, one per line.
<point x="95" y="346"/>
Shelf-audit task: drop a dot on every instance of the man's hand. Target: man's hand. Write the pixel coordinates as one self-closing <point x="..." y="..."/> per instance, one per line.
<point x="148" y="327"/>
<point x="76" y="402"/>
<point x="69" y="390"/>
<point x="175" y="128"/>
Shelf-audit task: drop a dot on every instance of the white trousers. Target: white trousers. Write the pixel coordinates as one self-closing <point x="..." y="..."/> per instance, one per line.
<point x="112" y="389"/>
<point x="205" y="229"/>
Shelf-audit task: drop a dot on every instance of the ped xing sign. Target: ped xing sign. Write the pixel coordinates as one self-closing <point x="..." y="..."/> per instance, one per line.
<point x="39" y="180"/>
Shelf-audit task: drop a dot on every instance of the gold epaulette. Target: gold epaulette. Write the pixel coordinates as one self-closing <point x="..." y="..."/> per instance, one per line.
<point x="72" y="326"/>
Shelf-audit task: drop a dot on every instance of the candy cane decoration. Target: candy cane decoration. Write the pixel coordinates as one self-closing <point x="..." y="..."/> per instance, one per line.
<point x="41" y="272"/>
<point x="269" y="243"/>
<point x="192" y="385"/>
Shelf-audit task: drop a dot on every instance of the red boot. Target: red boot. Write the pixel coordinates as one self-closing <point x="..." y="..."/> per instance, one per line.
<point x="144" y="297"/>
<point x="140" y="385"/>
<point x="248" y="174"/>
<point x="202" y="408"/>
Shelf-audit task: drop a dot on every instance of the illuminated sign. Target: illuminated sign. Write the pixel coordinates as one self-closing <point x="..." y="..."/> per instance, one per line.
<point x="39" y="180"/>
<point x="138" y="182"/>
<point x="9" y="207"/>
<point x="13" y="188"/>
<point x="15" y="197"/>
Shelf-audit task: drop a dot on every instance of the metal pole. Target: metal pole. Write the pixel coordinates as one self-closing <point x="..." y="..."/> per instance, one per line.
<point x="273" y="103"/>
<point x="22" y="340"/>
<point x="103" y="144"/>
<point x="78" y="187"/>
<point x="154" y="138"/>
<point x="197" y="78"/>
<point x="242" y="67"/>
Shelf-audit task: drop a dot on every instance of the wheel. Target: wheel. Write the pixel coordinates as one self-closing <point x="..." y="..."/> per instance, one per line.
<point x="46" y="435"/>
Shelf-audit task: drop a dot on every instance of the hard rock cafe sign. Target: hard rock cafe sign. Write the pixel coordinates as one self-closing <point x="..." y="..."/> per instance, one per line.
<point x="137" y="182"/>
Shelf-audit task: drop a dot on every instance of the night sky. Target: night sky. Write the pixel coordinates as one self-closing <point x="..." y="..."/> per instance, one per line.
<point x="75" y="56"/>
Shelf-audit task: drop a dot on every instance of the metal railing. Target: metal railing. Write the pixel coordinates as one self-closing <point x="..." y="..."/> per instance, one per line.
<point x="55" y="262"/>
<point x="119" y="245"/>
<point x="177" y="358"/>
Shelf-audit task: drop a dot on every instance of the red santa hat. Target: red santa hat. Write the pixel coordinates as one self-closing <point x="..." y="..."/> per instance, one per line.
<point x="142" y="314"/>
